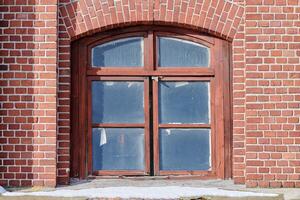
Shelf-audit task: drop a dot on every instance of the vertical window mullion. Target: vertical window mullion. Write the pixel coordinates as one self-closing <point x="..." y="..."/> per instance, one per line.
<point x="148" y="52"/>
<point x="155" y="126"/>
<point x="147" y="124"/>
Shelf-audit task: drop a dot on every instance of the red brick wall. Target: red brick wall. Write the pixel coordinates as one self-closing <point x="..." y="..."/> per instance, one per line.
<point x="28" y="61"/>
<point x="63" y="109"/>
<point x="35" y="69"/>
<point x="272" y="93"/>
<point x="238" y="103"/>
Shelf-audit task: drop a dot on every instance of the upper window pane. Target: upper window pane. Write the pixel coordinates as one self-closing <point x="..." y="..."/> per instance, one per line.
<point x="174" y="52"/>
<point x="119" y="53"/>
<point x="184" y="102"/>
<point x="118" y="102"/>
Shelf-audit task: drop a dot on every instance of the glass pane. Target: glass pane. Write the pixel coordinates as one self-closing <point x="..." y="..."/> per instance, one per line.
<point x="184" y="102"/>
<point x="179" y="53"/>
<point x="119" y="53"/>
<point x="184" y="149"/>
<point x="118" y="102"/>
<point x="118" y="149"/>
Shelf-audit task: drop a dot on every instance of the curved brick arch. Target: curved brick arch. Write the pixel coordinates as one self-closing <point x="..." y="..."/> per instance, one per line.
<point x="218" y="17"/>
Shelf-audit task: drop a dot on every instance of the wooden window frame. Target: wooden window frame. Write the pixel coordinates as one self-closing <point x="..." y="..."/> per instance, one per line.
<point x="157" y="126"/>
<point x="145" y="126"/>
<point x="218" y="74"/>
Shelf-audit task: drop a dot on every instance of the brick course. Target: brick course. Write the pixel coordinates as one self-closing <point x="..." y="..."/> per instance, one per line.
<point x="35" y="38"/>
<point x="28" y="61"/>
<point x="272" y="94"/>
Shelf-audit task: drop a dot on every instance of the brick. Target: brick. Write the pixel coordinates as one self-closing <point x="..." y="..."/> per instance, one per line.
<point x="26" y="50"/>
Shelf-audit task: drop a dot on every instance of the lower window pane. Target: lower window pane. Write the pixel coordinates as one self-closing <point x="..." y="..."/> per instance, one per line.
<point x="184" y="149"/>
<point x="118" y="149"/>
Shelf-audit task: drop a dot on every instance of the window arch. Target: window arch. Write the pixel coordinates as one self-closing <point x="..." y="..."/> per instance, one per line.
<point x="151" y="101"/>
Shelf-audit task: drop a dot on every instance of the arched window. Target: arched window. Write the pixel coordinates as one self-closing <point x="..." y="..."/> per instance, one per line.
<point x="151" y="101"/>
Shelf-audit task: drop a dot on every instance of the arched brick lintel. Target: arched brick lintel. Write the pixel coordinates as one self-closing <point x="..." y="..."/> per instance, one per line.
<point x="217" y="17"/>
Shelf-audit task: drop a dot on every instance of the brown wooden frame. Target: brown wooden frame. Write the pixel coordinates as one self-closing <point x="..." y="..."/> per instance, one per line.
<point x="145" y="125"/>
<point x="211" y="125"/>
<point x="218" y="73"/>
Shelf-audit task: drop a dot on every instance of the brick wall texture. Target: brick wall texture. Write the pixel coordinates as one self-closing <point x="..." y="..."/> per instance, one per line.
<point x="35" y="84"/>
